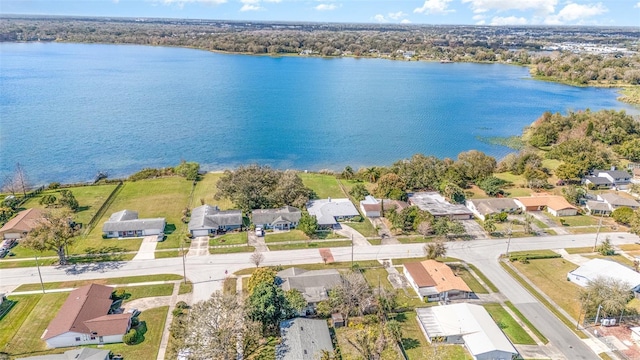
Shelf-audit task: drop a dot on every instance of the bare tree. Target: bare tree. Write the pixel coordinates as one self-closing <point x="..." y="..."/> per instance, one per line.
<point x="21" y="179"/>
<point x="257" y="258"/>
<point x="9" y="185"/>
<point x="425" y="228"/>
<point x="354" y="294"/>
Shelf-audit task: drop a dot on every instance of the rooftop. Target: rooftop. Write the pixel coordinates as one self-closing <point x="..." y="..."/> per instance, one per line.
<point x="436" y="204"/>
<point x="494" y="205"/>
<point x="313" y="284"/>
<point x="303" y="339"/>
<point x="211" y="217"/>
<point x="435" y="273"/>
<point x="127" y="220"/>
<point x="550" y="201"/>
<point x="327" y="210"/>
<point x="617" y="200"/>
<point x="24" y="221"/>
<point x="595" y="268"/>
<point x="269" y="216"/>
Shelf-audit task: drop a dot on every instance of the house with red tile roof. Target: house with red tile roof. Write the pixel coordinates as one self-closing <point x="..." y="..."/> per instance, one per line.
<point x="85" y="319"/>
<point x="435" y="281"/>
<point x="21" y="224"/>
<point x="555" y="205"/>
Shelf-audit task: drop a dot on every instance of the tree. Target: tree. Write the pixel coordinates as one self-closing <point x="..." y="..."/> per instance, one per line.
<point x="573" y="194"/>
<point x="347" y="173"/>
<point x="435" y="250"/>
<point x="55" y="231"/>
<point x="370" y="174"/>
<point x="623" y="215"/>
<point x="611" y="293"/>
<point x="492" y="186"/>
<point x="48" y="200"/>
<point x="257" y="258"/>
<point x="528" y="219"/>
<point x="259" y="276"/>
<point x="568" y="171"/>
<point x="290" y="190"/>
<point x="635" y="222"/>
<point x="408" y="218"/>
<point x="268" y="305"/>
<point x="391" y="186"/>
<point x="359" y="192"/>
<point x="308" y="224"/>
<point x="425" y="229"/>
<point x="395" y="329"/>
<point x="67" y="199"/>
<point x="454" y="193"/>
<point x="629" y="149"/>
<point x="489" y="225"/>
<point x="353" y="295"/>
<point x="188" y="170"/>
<point x="606" y="248"/>
<point x="296" y="300"/>
<point x="19" y="180"/>
<point x="475" y="165"/>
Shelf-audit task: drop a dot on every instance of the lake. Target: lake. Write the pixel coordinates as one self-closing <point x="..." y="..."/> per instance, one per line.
<point x="68" y="111"/>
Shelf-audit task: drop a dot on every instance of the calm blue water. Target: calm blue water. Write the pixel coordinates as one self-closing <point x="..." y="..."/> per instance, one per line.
<point x="68" y="111"/>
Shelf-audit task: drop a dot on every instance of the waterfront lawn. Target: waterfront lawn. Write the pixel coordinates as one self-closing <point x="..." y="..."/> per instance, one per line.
<point x="292" y="235"/>
<point x="508" y="324"/>
<point x="206" y="189"/>
<point x="163" y="197"/>
<point x="364" y="227"/>
<point x="22" y="327"/>
<point x="324" y="185"/>
<point x="151" y="327"/>
<point x="349" y="184"/>
<point x="550" y="276"/>
<point x="233" y="238"/>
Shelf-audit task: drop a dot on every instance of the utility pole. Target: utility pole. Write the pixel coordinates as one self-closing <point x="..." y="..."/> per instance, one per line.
<point x="509" y="240"/>
<point x="40" y="274"/>
<point x="184" y="267"/>
<point x="351" y="251"/>
<point x="595" y="244"/>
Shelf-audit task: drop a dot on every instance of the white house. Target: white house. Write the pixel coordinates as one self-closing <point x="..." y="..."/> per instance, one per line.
<point x="206" y="220"/>
<point x="486" y="207"/>
<point x="609" y="178"/>
<point x="84" y="319"/>
<point x="469" y="325"/>
<point x="329" y="211"/>
<point x="597" y="268"/>
<point x="435" y="204"/>
<point x="616" y="201"/>
<point x="125" y="223"/>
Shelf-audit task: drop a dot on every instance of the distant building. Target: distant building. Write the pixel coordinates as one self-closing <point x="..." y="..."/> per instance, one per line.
<point x="125" y="223"/>
<point x="469" y="325"/>
<point x="21" y="224"/>
<point x="284" y="218"/>
<point x="438" y="206"/>
<point x="208" y="220"/>
<point x="435" y="281"/>
<point x="84" y="319"/>
<point x="608" y="179"/>
<point x="487" y="207"/>
<point x="329" y="211"/>
<point x="303" y="339"/>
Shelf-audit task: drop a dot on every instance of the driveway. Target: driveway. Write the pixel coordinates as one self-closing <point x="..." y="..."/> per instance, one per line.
<point x="550" y="223"/>
<point x="384" y="232"/>
<point x="474" y="229"/>
<point x="256" y="241"/>
<point x="147" y="249"/>
<point x="351" y="233"/>
<point x="199" y="246"/>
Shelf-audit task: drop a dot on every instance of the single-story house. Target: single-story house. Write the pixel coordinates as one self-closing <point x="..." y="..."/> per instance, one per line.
<point x="125" y="223"/>
<point x="614" y="178"/>
<point x="313" y="284"/>
<point x="303" y="339"/>
<point x="435" y="281"/>
<point x="555" y="205"/>
<point x="84" y="353"/>
<point x="616" y="201"/>
<point x="636" y="173"/>
<point x="599" y="208"/>
<point x="596" y="268"/>
<point x="21" y="224"/>
<point x="84" y="319"/>
<point x="284" y="218"/>
<point x="372" y="207"/>
<point x="467" y="324"/>
<point x="329" y="211"/>
<point x="207" y="220"/>
<point x="598" y="182"/>
<point x="438" y="206"/>
<point x="486" y="207"/>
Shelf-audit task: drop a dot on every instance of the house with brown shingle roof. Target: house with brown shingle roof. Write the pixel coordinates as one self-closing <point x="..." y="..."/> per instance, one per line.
<point x="555" y="205"/>
<point x="21" y="224"/>
<point x="84" y="319"/>
<point x="435" y="281"/>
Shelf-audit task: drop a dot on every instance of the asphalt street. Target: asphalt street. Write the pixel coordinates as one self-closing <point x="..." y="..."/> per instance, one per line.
<point x="208" y="272"/>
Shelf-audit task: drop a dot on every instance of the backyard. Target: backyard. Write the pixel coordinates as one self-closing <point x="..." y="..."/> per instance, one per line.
<point x="324" y="185"/>
<point x="205" y="191"/>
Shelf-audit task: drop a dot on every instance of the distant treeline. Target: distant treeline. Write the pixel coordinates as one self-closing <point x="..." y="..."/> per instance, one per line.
<point x="518" y="45"/>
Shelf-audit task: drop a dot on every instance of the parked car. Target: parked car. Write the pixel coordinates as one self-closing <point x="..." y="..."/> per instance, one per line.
<point x="259" y="231"/>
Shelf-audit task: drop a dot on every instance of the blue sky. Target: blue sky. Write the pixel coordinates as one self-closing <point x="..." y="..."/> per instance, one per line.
<point x="481" y="12"/>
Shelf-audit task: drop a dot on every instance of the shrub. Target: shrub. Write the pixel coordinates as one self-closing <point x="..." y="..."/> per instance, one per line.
<point x="131" y="337"/>
<point x="54" y="185"/>
<point x="356" y="218"/>
<point x="135" y="321"/>
<point x="118" y="294"/>
<point x="182" y="305"/>
<point x="177" y="312"/>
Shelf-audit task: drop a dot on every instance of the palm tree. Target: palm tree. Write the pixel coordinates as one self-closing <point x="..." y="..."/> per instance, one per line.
<point x="435" y="250"/>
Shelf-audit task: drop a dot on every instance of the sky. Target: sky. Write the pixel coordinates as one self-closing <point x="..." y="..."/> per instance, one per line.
<point x="457" y="12"/>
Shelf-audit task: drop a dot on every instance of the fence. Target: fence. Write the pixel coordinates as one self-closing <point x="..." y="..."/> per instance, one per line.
<point x="92" y="223"/>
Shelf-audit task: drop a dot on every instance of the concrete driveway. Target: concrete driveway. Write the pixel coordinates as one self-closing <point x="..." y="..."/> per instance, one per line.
<point x="199" y="246"/>
<point x="539" y="215"/>
<point x="351" y="233"/>
<point x="384" y="232"/>
<point x="147" y="249"/>
<point x="474" y="229"/>
<point x="256" y="241"/>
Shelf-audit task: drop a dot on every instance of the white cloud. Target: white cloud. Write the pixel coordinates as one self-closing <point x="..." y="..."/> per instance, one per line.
<point x="379" y="18"/>
<point x="405" y="21"/>
<point x="508" y="20"/>
<point x="478" y="17"/>
<point x="181" y="3"/>
<point x="481" y="22"/>
<point x="539" y="6"/>
<point x="115" y="1"/>
<point x="250" y="1"/>
<point x="397" y="15"/>
<point x="572" y="12"/>
<point x="637" y="5"/>
<point x="251" y="7"/>
<point x="434" y="7"/>
<point x="326" y="7"/>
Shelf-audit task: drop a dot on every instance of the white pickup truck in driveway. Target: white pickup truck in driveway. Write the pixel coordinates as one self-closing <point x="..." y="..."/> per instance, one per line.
<point x="259" y="232"/>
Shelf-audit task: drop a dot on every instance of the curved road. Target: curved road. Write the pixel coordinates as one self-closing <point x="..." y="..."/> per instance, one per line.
<point x="208" y="272"/>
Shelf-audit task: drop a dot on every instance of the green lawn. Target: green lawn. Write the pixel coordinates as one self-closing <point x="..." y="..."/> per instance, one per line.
<point x="293" y="235"/>
<point x="231" y="249"/>
<point x="168" y="254"/>
<point x="629" y="247"/>
<point x="324" y="185"/>
<point x="551" y="164"/>
<point x="580" y="250"/>
<point x="508" y="324"/>
<point x="185" y="288"/>
<point x="206" y="189"/>
<point x="138" y="292"/>
<point x="413" y="239"/>
<point x="526" y="321"/>
<point x="233" y="238"/>
<point x="377" y="277"/>
<point x="152" y="321"/>
<point x="334" y="265"/>
<point x="468" y="278"/>
<point x="304" y="245"/>
<point x="349" y="184"/>
<point x="21" y="329"/>
<point x="364" y="227"/>
<point x="112" y="281"/>
<point x="617" y="258"/>
<point x="578" y="220"/>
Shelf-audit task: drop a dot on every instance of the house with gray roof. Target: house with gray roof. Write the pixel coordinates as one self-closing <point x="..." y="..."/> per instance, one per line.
<point x="599" y="208"/>
<point x="609" y="179"/>
<point x="303" y="339"/>
<point x="329" y="211"/>
<point x="313" y="284"/>
<point x="487" y="207"/>
<point x="285" y="218"/>
<point x="616" y="201"/>
<point x="435" y="204"/>
<point x="125" y="223"/>
<point x="208" y="220"/>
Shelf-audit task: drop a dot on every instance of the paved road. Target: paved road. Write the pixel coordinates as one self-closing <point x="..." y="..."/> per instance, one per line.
<point x="208" y="272"/>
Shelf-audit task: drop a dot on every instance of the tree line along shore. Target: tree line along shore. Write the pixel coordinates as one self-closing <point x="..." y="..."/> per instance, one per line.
<point x="615" y="62"/>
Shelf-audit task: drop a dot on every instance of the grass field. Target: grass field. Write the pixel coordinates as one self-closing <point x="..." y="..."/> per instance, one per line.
<point x="580" y="250"/>
<point x="22" y="327"/>
<point x="231" y="249"/>
<point x="305" y="245"/>
<point x="345" y="336"/>
<point x="578" y="220"/>
<point x="550" y="276"/>
<point x="293" y="235"/>
<point x="508" y="324"/>
<point x="152" y="321"/>
<point x="468" y="278"/>
<point x="364" y="227"/>
<point x="617" y="258"/>
<point x="324" y="185"/>
<point x="206" y="189"/>
<point x="233" y="238"/>
<point x="138" y="292"/>
<point x="112" y="281"/>
<point x="629" y="247"/>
